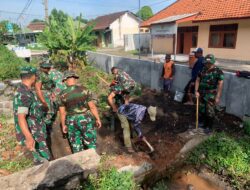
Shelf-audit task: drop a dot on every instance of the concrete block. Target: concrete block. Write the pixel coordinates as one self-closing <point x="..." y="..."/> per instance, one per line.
<point x="63" y="173"/>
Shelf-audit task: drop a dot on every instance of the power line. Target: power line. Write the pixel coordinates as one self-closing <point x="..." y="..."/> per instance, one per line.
<point x="25" y="8"/>
<point x="17" y="13"/>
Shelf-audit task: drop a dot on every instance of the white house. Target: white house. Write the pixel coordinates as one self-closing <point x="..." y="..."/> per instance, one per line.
<point x="110" y="29"/>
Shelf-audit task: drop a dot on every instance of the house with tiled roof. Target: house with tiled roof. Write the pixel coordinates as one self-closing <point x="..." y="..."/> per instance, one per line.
<point x="221" y="27"/>
<point x="110" y="29"/>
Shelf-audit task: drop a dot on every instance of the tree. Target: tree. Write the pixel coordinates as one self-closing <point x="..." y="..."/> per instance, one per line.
<point x="85" y="21"/>
<point x="145" y="13"/>
<point x="37" y="20"/>
<point x="63" y="36"/>
<point x="3" y="28"/>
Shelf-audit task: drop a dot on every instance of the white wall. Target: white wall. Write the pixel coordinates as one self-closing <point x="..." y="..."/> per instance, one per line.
<point x="131" y="41"/>
<point x="126" y="24"/>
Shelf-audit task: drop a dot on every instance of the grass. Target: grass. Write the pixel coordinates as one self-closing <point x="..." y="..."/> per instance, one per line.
<point x="17" y="161"/>
<point x="89" y="78"/>
<point x="225" y="155"/>
<point x="110" y="179"/>
<point x="36" y="47"/>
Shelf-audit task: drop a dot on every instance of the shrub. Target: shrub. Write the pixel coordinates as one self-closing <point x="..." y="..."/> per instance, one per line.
<point x="9" y="64"/>
<point x="224" y="153"/>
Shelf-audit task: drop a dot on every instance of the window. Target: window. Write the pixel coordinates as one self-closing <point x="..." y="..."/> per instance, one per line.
<point x="223" y="36"/>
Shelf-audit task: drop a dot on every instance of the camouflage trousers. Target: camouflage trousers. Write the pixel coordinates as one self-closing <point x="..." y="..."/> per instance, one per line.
<point x="81" y="132"/>
<point x="38" y="131"/>
<point x="50" y="115"/>
<point x="207" y="109"/>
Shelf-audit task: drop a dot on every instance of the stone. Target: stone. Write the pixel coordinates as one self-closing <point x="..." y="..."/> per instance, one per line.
<point x="60" y="173"/>
<point x="190" y="187"/>
<point x="191" y="144"/>
<point x="139" y="172"/>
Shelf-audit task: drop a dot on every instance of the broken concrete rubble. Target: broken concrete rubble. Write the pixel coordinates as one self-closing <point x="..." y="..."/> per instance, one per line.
<point x="65" y="173"/>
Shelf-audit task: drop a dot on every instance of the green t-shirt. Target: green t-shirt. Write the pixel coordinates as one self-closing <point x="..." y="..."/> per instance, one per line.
<point x="75" y="99"/>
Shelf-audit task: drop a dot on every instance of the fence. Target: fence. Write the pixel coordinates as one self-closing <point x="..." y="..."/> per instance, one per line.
<point x="131" y="42"/>
<point x="236" y="91"/>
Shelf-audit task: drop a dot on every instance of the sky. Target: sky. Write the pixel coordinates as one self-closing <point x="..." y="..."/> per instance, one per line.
<point x="11" y="9"/>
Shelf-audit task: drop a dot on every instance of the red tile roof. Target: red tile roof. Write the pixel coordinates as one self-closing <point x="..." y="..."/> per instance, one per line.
<point x="36" y="26"/>
<point x="103" y="22"/>
<point x="208" y="9"/>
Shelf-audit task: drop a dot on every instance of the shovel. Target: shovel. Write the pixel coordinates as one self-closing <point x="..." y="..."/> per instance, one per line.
<point x="148" y="144"/>
<point x="197" y="113"/>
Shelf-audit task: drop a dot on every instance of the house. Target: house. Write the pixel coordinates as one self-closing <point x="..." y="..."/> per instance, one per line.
<point x="219" y="27"/>
<point x="36" y="26"/>
<point x="110" y="29"/>
<point x="30" y="33"/>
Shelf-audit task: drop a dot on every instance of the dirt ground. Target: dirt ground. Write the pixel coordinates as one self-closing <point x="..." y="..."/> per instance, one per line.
<point x="173" y="118"/>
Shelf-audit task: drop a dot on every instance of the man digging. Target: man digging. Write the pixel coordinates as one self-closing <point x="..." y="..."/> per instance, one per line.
<point x="120" y="90"/>
<point x="137" y="114"/>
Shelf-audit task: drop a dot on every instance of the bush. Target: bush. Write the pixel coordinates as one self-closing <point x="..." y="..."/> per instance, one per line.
<point x="111" y="179"/>
<point x="224" y="154"/>
<point x="9" y="64"/>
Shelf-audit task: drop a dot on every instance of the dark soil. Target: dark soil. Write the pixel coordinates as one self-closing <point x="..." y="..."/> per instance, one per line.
<point x="173" y="118"/>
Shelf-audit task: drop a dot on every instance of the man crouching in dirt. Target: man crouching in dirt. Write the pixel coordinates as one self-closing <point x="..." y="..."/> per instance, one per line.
<point x="77" y="110"/>
<point x="136" y="114"/>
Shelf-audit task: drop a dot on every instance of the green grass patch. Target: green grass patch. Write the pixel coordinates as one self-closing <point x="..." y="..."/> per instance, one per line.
<point x="110" y="179"/>
<point x="8" y="144"/>
<point x="227" y="155"/>
<point x="16" y="165"/>
<point x="36" y="47"/>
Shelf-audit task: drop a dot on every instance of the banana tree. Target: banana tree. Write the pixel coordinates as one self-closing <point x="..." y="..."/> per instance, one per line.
<point x="69" y="38"/>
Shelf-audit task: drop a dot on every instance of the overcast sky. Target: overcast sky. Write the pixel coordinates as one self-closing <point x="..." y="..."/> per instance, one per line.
<point x="11" y="9"/>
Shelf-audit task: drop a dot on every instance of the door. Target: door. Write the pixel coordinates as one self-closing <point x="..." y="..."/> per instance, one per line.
<point x="186" y="40"/>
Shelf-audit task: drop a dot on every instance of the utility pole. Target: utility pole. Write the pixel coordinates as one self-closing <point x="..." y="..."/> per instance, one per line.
<point x="45" y="2"/>
<point x="140" y="30"/>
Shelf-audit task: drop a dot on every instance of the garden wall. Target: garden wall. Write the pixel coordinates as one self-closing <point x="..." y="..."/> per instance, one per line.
<point x="236" y="91"/>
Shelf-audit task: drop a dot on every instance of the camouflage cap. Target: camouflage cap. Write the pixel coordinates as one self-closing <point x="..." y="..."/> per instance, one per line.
<point x="69" y="74"/>
<point x="46" y="64"/>
<point x="28" y="70"/>
<point x="210" y="59"/>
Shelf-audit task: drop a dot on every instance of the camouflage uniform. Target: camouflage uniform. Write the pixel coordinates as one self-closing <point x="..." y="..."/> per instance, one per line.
<point x="56" y="76"/>
<point x="125" y="84"/>
<point x="208" y="90"/>
<point x="47" y="88"/>
<point x="26" y="102"/>
<point x="79" y="120"/>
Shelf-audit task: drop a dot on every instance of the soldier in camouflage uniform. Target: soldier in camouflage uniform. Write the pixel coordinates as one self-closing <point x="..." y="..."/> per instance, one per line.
<point x="44" y="89"/>
<point x="122" y="84"/>
<point x="56" y="76"/>
<point x="208" y="88"/>
<point x="120" y="89"/>
<point x="77" y="109"/>
<point x="30" y="128"/>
